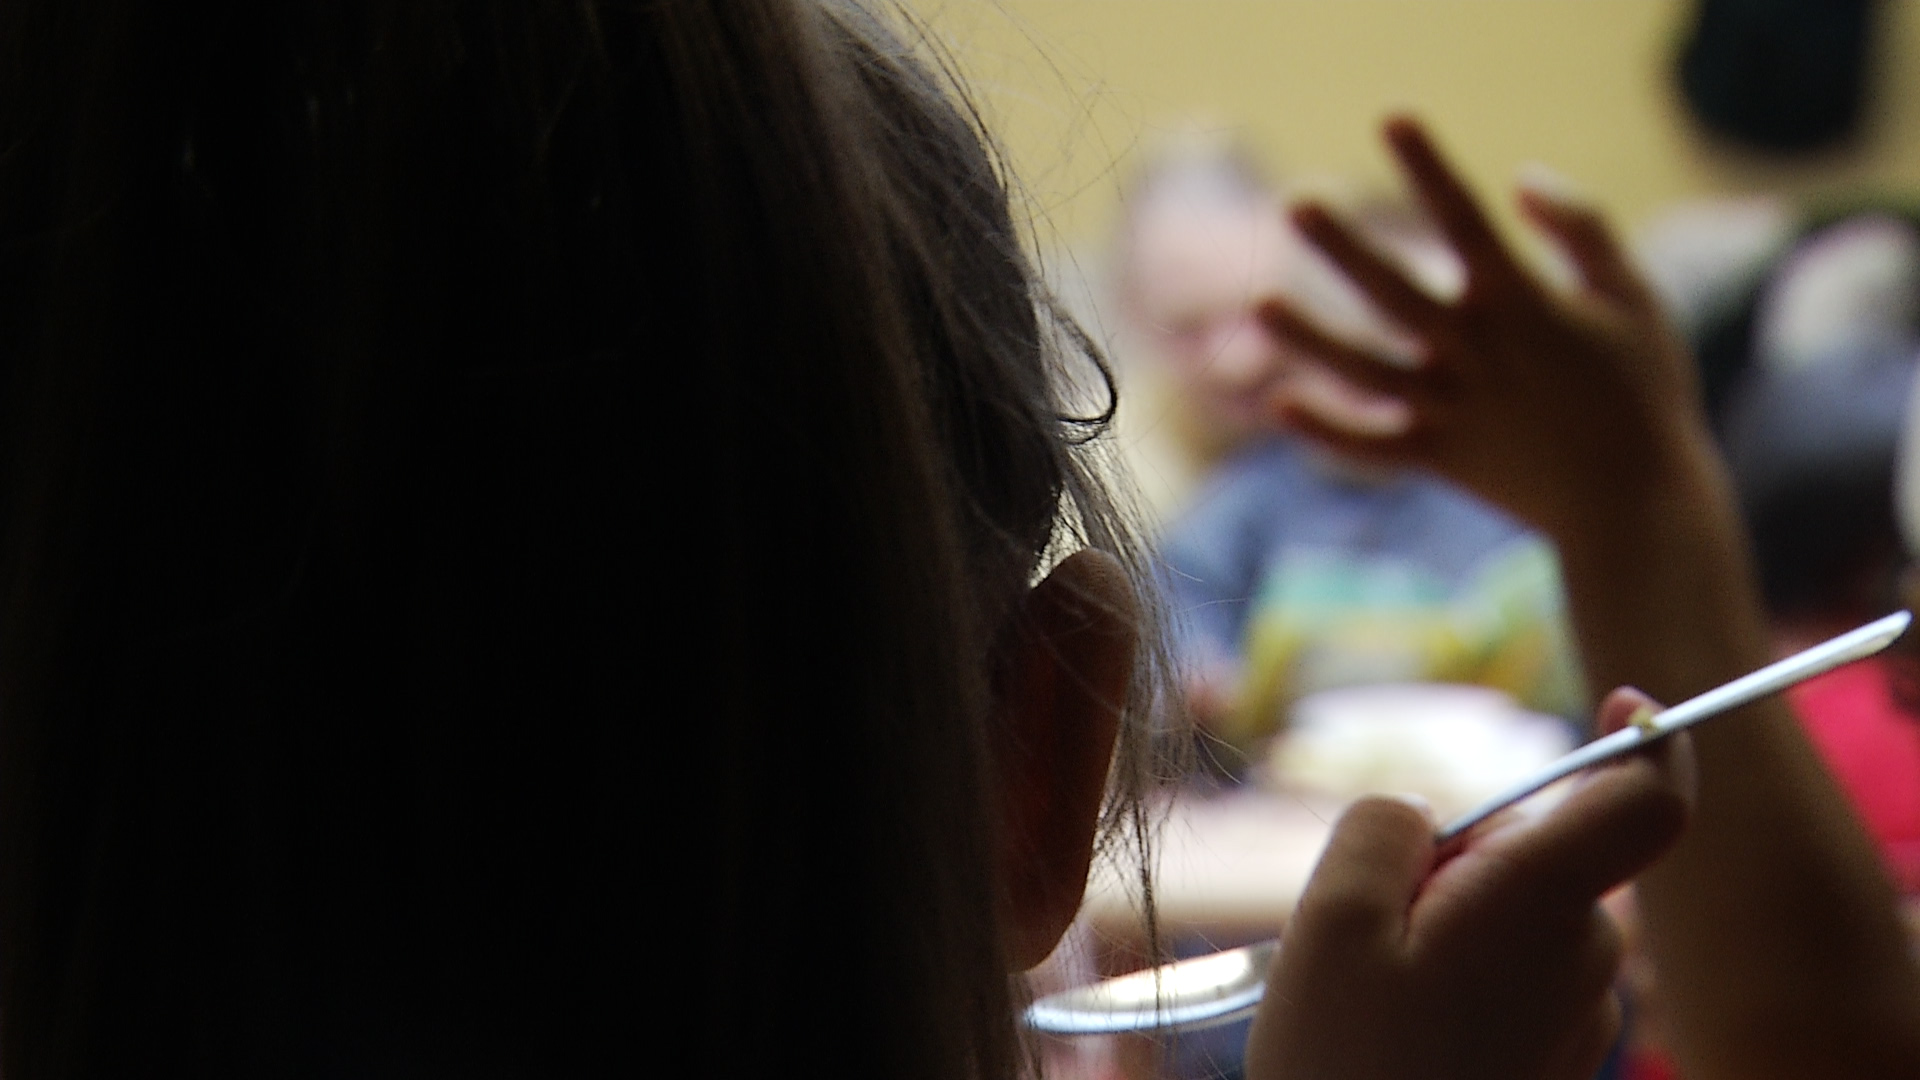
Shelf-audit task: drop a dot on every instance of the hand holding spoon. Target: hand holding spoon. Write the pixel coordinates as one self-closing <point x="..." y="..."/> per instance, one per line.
<point x="1227" y="986"/>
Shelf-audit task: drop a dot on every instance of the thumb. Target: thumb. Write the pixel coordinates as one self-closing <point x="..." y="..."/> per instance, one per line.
<point x="1581" y="230"/>
<point x="1372" y="869"/>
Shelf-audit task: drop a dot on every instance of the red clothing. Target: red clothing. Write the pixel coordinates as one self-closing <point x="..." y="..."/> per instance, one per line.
<point x="1873" y="748"/>
<point x="1649" y="1067"/>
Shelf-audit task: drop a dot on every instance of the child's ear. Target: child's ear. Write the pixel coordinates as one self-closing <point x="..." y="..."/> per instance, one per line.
<point x="1063" y="686"/>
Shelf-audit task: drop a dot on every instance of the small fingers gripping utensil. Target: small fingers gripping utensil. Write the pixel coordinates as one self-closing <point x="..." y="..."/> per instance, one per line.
<point x="1227" y="986"/>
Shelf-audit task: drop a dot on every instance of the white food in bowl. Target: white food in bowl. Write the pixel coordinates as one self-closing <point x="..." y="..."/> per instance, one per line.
<point x="1454" y="745"/>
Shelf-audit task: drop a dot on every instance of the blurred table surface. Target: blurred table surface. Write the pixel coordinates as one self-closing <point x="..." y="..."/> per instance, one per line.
<point x="1237" y="858"/>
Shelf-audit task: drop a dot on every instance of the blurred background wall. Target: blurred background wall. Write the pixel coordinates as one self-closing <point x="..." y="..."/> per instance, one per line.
<point x="1076" y="87"/>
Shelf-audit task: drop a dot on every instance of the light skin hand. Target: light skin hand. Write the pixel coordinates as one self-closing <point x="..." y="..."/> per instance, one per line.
<point x="1495" y="962"/>
<point x="1590" y="392"/>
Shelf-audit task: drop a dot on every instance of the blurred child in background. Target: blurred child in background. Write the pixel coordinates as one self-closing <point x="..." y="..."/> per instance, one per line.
<point x="1291" y="568"/>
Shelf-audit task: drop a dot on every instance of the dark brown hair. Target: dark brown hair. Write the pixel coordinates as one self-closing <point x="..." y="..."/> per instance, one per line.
<point x="502" y="519"/>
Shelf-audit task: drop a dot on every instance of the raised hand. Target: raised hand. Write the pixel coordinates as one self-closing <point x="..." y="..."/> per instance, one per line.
<point x="1497" y="964"/>
<point x="1776" y="937"/>
<point x="1556" y="407"/>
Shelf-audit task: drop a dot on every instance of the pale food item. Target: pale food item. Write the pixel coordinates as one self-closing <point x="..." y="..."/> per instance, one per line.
<point x="1453" y="745"/>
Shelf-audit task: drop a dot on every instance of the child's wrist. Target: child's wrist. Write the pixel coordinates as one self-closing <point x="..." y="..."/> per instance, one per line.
<point x="1662" y="585"/>
<point x="1680" y="494"/>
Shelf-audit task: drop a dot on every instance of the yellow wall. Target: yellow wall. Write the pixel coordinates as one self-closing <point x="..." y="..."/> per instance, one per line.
<point x="1073" y="86"/>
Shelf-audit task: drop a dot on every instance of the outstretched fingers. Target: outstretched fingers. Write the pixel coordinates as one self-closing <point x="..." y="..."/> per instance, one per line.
<point x="1452" y="205"/>
<point x="1385" y="284"/>
<point x="1400" y="442"/>
<point x="1583" y="233"/>
<point x="1363" y="369"/>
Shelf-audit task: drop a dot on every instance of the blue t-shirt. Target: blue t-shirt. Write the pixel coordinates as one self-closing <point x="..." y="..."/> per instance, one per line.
<point x="1305" y="576"/>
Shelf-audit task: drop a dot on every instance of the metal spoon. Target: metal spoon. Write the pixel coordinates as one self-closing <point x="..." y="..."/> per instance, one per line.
<point x="1227" y="986"/>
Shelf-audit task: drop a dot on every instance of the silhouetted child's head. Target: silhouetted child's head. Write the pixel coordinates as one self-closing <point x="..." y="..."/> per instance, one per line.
<point x="509" y="502"/>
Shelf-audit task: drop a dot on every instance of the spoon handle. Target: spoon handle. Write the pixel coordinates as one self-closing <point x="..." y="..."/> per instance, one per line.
<point x="1225" y="986"/>
<point x="1775" y="677"/>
